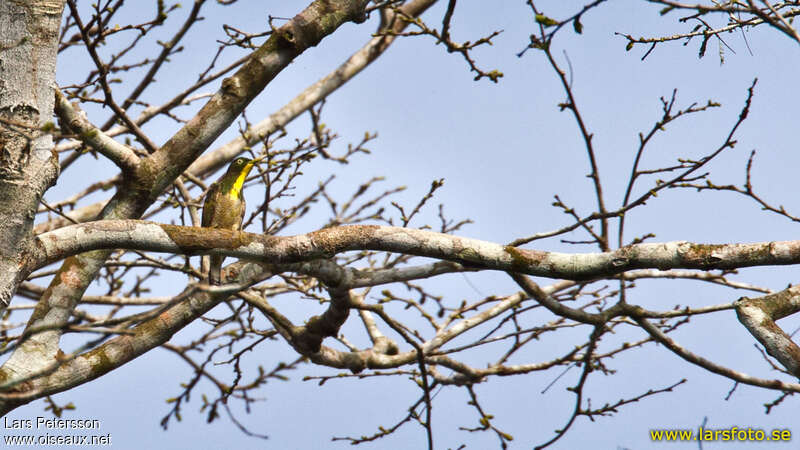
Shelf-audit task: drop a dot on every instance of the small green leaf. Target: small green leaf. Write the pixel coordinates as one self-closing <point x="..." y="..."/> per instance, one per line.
<point x="629" y="46"/>
<point x="577" y="26"/>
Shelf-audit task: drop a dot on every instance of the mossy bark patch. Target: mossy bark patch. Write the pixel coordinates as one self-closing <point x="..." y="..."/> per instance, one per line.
<point x="193" y="239"/>
<point x="522" y="260"/>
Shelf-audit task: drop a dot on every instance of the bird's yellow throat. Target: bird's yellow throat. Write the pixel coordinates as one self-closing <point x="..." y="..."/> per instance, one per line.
<point x="236" y="189"/>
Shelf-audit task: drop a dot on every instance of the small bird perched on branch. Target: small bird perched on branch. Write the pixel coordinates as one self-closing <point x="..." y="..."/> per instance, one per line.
<point x="224" y="206"/>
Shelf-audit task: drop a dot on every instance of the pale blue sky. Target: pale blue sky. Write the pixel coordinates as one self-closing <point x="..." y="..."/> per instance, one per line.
<point x="504" y="150"/>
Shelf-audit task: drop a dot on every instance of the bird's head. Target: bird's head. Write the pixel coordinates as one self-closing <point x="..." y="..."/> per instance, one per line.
<point x="242" y="165"/>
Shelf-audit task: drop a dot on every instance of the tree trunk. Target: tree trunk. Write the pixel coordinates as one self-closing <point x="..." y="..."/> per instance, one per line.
<point x="28" y="47"/>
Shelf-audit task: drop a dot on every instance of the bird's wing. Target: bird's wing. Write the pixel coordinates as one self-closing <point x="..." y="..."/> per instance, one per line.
<point x="210" y="203"/>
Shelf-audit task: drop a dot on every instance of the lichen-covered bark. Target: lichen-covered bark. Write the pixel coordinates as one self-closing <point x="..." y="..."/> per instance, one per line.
<point x="28" y="38"/>
<point x="325" y="243"/>
<point x="758" y="315"/>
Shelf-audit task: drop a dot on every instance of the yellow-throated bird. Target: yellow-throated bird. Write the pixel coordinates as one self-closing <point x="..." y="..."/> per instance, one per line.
<point x="224" y="206"/>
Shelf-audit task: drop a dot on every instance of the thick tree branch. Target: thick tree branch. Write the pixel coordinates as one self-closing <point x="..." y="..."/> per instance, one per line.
<point x="313" y="94"/>
<point x="306" y="30"/>
<point x="758" y="315"/>
<point x="143" y="235"/>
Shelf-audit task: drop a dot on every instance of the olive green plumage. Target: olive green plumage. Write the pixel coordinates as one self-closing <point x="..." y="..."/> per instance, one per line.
<point x="224" y="206"/>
